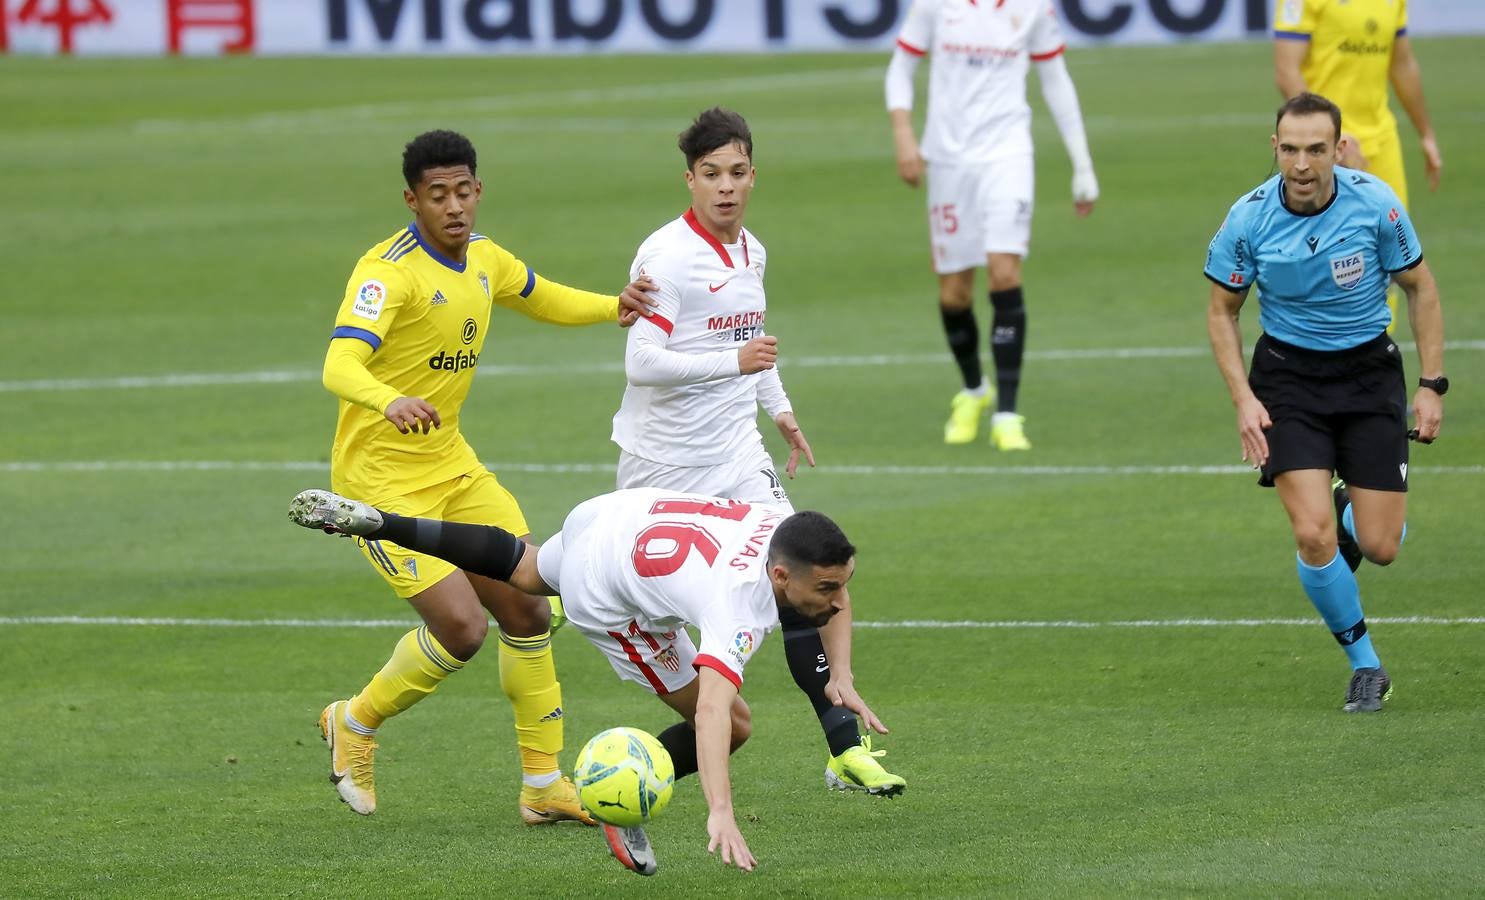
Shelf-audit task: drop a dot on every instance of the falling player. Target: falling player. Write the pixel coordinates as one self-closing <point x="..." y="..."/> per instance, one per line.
<point x="634" y="568"/>
<point x="698" y="369"/>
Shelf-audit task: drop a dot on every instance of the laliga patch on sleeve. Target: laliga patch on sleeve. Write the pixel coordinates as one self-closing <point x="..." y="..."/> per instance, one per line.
<point x="370" y="298"/>
<point x="741" y="648"/>
<point x="1291" y="11"/>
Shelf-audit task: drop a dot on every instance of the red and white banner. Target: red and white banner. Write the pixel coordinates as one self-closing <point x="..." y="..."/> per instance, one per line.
<point x="366" y="27"/>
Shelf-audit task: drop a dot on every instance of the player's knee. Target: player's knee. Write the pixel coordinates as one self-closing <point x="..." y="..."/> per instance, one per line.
<point x="1381" y="554"/>
<point x="954" y="298"/>
<point x="526" y="615"/>
<point x="1004" y="273"/>
<point x="1316" y="541"/>
<point x="464" y="637"/>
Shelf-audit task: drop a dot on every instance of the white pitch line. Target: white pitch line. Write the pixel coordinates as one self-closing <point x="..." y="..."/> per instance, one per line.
<point x="224" y="465"/>
<point x="172" y="622"/>
<point x="488" y="104"/>
<point x="294" y="376"/>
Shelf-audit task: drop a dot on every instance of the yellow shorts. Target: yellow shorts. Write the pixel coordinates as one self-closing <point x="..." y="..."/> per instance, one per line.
<point x="475" y="497"/>
<point x="1383" y="152"/>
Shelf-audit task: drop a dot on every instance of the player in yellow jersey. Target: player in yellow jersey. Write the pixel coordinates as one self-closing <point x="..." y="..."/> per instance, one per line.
<point x="408" y="337"/>
<point x="1348" y="51"/>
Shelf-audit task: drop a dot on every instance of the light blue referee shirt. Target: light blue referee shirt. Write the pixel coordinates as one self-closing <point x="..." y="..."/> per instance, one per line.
<point x="1322" y="277"/>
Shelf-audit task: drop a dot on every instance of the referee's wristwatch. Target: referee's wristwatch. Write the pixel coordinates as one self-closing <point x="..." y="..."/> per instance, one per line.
<point x="1439" y="385"/>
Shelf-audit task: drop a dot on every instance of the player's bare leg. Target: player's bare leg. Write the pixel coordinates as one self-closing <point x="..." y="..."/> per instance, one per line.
<point x="1330" y="583"/>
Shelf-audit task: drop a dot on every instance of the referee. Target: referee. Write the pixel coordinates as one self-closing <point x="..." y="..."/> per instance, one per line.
<point x="1326" y="392"/>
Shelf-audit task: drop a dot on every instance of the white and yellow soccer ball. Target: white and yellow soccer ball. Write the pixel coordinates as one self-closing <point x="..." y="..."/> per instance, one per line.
<point x="624" y="777"/>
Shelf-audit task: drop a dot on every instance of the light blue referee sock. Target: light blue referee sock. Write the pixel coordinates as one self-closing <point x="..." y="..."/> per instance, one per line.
<point x="1348" y="522"/>
<point x="1332" y="588"/>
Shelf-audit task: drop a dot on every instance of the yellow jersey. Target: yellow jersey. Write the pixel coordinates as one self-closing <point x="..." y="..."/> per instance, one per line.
<point x="413" y="323"/>
<point x="1350" y="54"/>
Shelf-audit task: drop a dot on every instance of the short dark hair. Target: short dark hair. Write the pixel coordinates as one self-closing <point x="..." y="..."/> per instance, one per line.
<point x="717" y="127"/>
<point x="810" y="538"/>
<point x="1306" y="104"/>
<point x="434" y="150"/>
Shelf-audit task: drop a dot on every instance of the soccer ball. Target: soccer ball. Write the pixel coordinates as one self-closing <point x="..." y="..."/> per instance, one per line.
<point x="624" y="777"/>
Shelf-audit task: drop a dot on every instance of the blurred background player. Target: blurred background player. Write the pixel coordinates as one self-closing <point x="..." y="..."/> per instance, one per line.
<point x="1326" y="391"/>
<point x="1347" y="51"/>
<point x="634" y="568"/>
<point x="978" y="154"/>
<point x="698" y="369"/>
<point x="402" y="357"/>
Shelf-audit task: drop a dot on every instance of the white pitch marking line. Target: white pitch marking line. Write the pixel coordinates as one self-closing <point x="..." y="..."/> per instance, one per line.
<point x="295" y="376"/>
<point x="172" y="622"/>
<point x="206" y="465"/>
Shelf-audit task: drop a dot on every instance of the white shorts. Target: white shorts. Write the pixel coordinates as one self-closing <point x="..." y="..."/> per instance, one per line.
<point x="975" y="210"/>
<point x="663" y="662"/>
<point x="750" y="478"/>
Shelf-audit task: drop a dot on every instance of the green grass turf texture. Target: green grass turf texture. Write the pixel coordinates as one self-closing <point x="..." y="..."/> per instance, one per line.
<point x="202" y="217"/>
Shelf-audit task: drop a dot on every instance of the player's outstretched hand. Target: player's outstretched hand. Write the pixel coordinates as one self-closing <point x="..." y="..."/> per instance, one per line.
<point x="794" y="437"/>
<point x="412" y="415"/>
<point x="1252" y="422"/>
<point x="722" y="834"/>
<point x="758" y="354"/>
<point x="843" y="693"/>
<point x="636" y="300"/>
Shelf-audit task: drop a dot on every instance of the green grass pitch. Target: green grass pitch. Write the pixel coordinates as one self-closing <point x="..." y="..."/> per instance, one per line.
<point x="199" y="218"/>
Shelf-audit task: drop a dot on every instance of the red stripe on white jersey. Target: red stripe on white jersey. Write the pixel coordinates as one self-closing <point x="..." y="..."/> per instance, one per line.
<point x="659" y="322"/>
<point x="644" y="668"/>
<point x="909" y="48"/>
<point x="707" y="236"/>
<point x="711" y="662"/>
<point x="1043" y="57"/>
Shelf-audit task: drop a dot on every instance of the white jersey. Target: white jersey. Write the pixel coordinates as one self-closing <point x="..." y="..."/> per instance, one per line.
<point x="686" y="402"/>
<point x="982" y="49"/>
<point x="650" y="561"/>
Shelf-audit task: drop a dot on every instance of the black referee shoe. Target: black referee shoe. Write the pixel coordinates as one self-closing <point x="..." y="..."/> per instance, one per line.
<point x="1350" y="551"/>
<point x="1367" y="690"/>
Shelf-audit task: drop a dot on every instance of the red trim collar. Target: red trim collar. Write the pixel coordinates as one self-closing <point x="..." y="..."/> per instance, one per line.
<point x="711" y="239"/>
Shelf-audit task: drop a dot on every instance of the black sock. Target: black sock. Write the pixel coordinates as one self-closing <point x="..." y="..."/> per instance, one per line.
<point x="806" y="655"/>
<point x="481" y="549"/>
<point x="1007" y="344"/>
<point x="679" y="740"/>
<point x="964" y="342"/>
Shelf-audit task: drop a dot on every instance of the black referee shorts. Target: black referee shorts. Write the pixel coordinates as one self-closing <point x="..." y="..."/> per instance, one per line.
<point x="1343" y="411"/>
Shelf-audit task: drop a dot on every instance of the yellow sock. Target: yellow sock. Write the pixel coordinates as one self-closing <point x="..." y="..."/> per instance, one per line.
<point x="417" y="666"/>
<point x="529" y="679"/>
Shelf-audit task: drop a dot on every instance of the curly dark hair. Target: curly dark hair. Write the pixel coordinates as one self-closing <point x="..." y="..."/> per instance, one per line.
<point x="433" y="150"/>
<point x="810" y="538"/>
<point x="717" y="127"/>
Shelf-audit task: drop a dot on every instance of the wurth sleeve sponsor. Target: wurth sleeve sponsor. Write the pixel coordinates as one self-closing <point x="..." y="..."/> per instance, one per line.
<point x="1397" y="242"/>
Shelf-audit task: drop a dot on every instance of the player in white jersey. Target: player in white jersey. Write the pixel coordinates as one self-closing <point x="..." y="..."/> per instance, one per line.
<point x="634" y="568"/>
<point x="978" y="156"/>
<point x="697" y="373"/>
